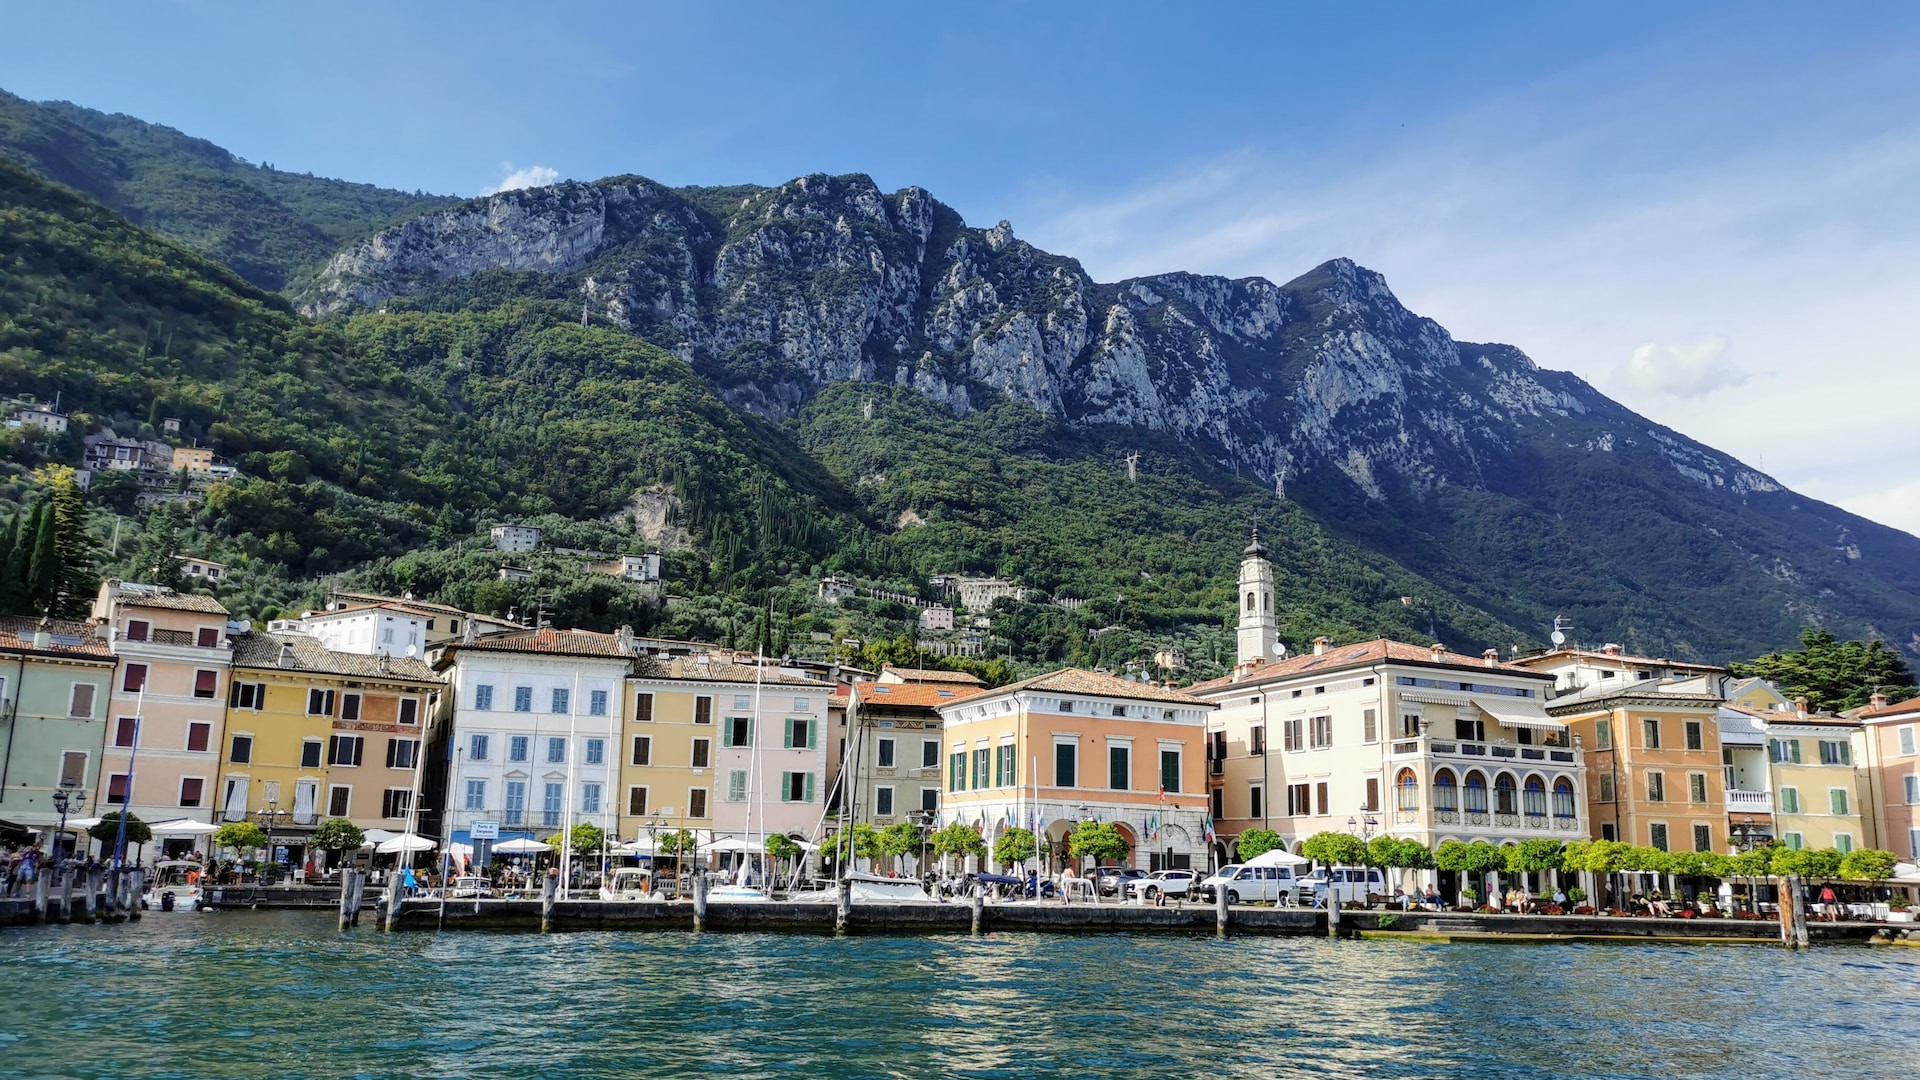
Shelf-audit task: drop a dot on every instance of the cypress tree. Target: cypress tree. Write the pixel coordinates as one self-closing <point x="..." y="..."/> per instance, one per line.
<point x="74" y="584"/>
<point x="43" y="569"/>
<point x="12" y="566"/>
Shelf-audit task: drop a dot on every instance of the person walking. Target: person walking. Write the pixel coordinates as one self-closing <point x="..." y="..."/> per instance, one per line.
<point x="1829" y="904"/>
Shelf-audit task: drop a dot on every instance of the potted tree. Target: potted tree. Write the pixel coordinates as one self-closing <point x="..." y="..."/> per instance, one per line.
<point x="338" y="837"/>
<point x="1899" y="908"/>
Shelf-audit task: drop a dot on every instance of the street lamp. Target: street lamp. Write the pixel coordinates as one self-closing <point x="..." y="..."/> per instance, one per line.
<point x="67" y="798"/>
<point x="922" y="820"/>
<point x="272" y="815"/>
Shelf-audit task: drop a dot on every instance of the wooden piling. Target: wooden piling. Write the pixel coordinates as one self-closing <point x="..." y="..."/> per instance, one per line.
<point x="979" y="909"/>
<point x="699" y="900"/>
<point x="1793" y="914"/>
<point x="842" y="905"/>
<point x="66" y="894"/>
<point x="1221" y="912"/>
<point x="390" y="908"/>
<point x="90" y="895"/>
<point x="136" y="891"/>
<point x="40" y="895"/>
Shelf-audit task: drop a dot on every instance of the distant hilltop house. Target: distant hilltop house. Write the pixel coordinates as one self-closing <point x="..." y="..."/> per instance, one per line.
<point x="1170" y="660"/>
<point x="515" y="537"/>
<point x="979" y="593"/>
<point x="835" y="589"/>
<point x="937" y="617"/>
<point x="41" y="417"/>
<point x="510" y="572"/>
<point x="206" y="569"/>
<point x="644" y="569"/>
<point x="154" y="463"/>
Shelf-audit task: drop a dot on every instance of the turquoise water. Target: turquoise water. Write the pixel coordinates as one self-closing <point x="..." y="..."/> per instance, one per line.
<point x="246" y="994"/>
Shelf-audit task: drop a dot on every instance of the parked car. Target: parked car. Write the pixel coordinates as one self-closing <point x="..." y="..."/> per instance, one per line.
<point x="1346" y="883"/>
<point x="1248" y="884"/>
<point x="1113" y="880"/>
<point x="1163" y="882"/>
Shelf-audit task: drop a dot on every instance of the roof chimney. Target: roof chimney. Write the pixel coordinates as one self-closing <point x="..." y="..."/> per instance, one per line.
<point x="1878" y="700"/>
<point x="1438" y="650"/>
<point x="1321" y="645"/>
<point x="286" y="654"/>
<point x="43" y="634"/>
<point x="1491" y="657"/>
<point x="1800" y="706"/>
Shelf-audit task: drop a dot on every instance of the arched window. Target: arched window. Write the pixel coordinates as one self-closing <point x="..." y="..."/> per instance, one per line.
<point x="1534" y="797"/>
<point x="1249" y="603"/>
<point x="1266" y="601"/>
<point x="1563" y="798"/>
<point x="1476" y="793"/>
<point x="1446" y="794"/>
<point x="1407" y="791"/>
<point x="1504" y="801"/>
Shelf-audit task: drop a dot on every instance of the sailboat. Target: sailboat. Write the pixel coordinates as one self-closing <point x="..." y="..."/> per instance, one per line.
<point x="742" y="890"/>
<point x="863" y="887"/>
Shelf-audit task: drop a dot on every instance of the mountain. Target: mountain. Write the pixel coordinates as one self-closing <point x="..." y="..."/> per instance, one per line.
<point x="1523" y="491"/>
<point x="263" y="223"/>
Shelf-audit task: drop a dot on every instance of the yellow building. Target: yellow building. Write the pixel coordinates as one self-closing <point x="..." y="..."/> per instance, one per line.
<point x="197" y="459"/>
<point x="1817" y="796"/>
<point x="312" y="734"/>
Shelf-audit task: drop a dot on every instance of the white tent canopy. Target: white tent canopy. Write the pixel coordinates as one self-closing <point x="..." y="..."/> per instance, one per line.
<point x="638" y="846"/>
<point x="184" y="827"/>
<point x="406" y="842"/>
<point x="1277" y="857"/>
<point x="519" y="847"/>
<point x="82" y="823"/>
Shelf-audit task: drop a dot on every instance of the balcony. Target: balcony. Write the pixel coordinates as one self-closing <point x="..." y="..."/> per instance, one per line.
<point x="1455" y="748"/>
<point x="1750" y="802"/>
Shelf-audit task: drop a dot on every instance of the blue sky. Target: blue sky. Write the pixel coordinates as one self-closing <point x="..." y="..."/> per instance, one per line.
<point x="1710" y="211"/>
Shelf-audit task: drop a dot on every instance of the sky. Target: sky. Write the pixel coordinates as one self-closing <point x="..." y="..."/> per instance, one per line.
<point x="1710" y="211"/>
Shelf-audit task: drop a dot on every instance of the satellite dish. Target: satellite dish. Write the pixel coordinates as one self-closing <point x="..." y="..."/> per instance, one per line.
<point x="1280" y="650"/>
<point x="409" y="652"/>
<point x="1557" y="638"/>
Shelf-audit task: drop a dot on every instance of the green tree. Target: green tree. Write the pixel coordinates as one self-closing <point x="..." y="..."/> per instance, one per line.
<point x="337" y="837"/>
<point x="1015" y="846"/>
<point x="158" y="547"/>
<point x="960" y="841"/>
<point x="74" y="584"/>
<point x="1100" y="841"/>
<point x="1256" y="842"/>
<point x="13" y="567"/>
<point x="783" y="849"/>
<point x="241" y="836"/>
<point x="899" y="839"/>
<point x="1334" y="849"/>
<point x="1833" y="675"/>
<point x="1807" y="862"/>
<point x="1867" y="864"/>
<point x="1534" y="856"/>
<point x="108" y="830"/>
<point x="43" y="560"/>
<point x="586" y="839"/>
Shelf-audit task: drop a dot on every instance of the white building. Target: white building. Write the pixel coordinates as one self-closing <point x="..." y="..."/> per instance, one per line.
<point x="42" y="417"/>
<point x="772" y="754"/>
<point x="515" y="537"/>
<point x="937" y="617"/>
<point x="535" y="732"/>
<point x="370" y="629"/>
<point x="979" y="593"/>
<point x="204" y="569"/>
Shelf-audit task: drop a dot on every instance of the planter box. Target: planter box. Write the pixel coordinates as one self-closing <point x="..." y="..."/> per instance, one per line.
<point x="1900" y="916"/>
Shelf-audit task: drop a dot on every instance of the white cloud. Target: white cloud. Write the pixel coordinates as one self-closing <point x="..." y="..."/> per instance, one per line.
<point x="1607" y="215"/>
<point x="512" y="179"/>
<point x="1689" y="369"/>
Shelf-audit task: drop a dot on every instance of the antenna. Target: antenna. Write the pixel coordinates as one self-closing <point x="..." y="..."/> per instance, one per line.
<point x="1133" y="466"/>
<point x="1561" y="624"/>
<point x="866" y="409"/>
<point x="1280" y="484"/>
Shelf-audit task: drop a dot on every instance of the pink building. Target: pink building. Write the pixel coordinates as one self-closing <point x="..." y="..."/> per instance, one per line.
<point x="171" y="687"/>
<point x="1891" y="758"/>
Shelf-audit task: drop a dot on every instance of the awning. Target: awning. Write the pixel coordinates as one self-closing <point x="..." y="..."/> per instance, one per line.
<point x="1518" y="712"/>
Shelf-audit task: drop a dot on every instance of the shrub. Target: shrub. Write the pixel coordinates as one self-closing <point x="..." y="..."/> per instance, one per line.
<point x="1552" y="909"/>
<point x="1899" y="902"/>
<point x="1584" y="910"/>
<point x="1576" y="894"/>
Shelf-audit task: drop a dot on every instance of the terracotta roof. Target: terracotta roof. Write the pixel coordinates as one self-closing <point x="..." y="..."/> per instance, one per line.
<point x="1910" y="707"/>
<point x="173" y="601"/>
<point x="913" y="695"/>
<point x="715" y="669"/>
<point x="370" y="599"/>
<point x="1080" y="681"/>
<point x="933" y="675"/>
<point x="70" y="638"/>
<point x="1623" y="658"/>
<point x="546" y="639"/>
<point x="259" y="649"/>
<point x="1363" y="654"/>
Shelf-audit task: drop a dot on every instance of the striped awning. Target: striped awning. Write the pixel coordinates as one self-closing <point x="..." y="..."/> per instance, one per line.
<point x="1518" y="712"/>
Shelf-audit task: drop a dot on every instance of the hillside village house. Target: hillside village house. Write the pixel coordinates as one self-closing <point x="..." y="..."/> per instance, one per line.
<point x="167" y="712"/>
<point x="55" y="681"/>
<point x="1073" y="746"/>
<point x="1383" y="737"/>
<point x="369" y="623"/>
<point x="1889" y="742"/>
<point x="314" y="734"/>
<point x="532" y="722"/>
<point x="1652" y="736"/>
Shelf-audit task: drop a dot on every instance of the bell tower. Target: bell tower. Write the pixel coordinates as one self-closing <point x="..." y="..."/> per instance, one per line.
<point x="1258" y="626"/>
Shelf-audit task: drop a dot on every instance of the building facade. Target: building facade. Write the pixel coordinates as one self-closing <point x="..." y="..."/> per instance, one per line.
<point x="1072" y="746"/>
<point x="895" y="755"/>
<point x="166" y="715"/>
<point x="1818" y="798"/>
<point x="533" y="724"/>
<point x="771" y="758"/>
<point x="1889" y="744"/>
<point x="56" y="678"/>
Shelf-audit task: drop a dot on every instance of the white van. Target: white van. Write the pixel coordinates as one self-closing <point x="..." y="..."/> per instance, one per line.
<point x="1249" y="884"/>
<point x="1347" y="883"/>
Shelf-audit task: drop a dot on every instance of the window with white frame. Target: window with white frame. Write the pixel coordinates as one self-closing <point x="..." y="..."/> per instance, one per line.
<point x="883" y="801"/>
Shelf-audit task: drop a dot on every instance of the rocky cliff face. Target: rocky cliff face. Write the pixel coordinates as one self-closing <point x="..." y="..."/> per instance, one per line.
<point x="826" y="279"/>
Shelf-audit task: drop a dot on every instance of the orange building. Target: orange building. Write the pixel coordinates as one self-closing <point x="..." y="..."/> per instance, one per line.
<point x="1075" y="746"/>
<point x="1890" y="741"/>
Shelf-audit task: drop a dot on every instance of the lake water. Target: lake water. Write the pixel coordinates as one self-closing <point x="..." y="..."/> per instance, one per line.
<point x="245" y="994"/>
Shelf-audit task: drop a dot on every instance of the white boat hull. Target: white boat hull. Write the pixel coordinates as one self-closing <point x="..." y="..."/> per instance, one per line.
<point x="737" y="894"/>
<point x="185" y="898"/>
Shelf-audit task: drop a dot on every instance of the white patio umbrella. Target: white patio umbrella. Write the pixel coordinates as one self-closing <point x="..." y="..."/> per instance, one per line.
<point x="82" y="823"/>
<point x="1277" y="857"/>
<point x="519" y="846"/>
<point x="637" y="846"/>
<point x="731" y="845"/>
<point x="184" y="827"/>
<point x="406" y="842"/>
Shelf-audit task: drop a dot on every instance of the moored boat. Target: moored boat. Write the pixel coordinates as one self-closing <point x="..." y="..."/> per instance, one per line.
<point x="177" y="886"/>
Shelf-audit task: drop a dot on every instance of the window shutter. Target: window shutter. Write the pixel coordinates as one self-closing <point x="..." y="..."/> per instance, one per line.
<point x="791" y="724"/>
<point x="809" y="787"/>
<point x="813" y="738"/>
